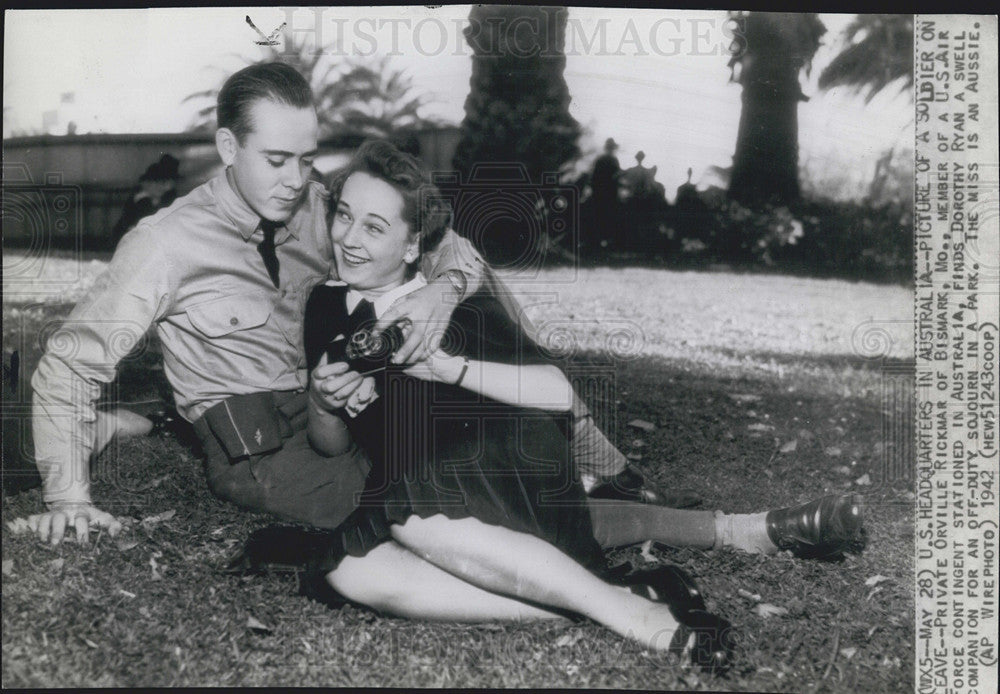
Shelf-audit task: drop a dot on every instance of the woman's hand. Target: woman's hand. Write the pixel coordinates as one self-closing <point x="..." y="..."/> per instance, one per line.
<point x="331" y="385"/>
<point x="439" y="367"/>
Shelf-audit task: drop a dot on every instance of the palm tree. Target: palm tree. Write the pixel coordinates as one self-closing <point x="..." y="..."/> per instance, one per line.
<point x="878" y="52"/>
<point x="518" y="106"/>
<point x="777" y="47"/>
<point x="368" y="98"/>
<point x="373" y="99"/>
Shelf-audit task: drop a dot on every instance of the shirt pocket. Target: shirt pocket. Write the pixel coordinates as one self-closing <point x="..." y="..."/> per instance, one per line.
<point x="229" y="314"/>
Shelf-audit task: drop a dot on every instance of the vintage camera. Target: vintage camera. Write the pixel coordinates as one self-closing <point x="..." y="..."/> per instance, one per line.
<point x="365" y="351"/>
<point x="517" y="225"/>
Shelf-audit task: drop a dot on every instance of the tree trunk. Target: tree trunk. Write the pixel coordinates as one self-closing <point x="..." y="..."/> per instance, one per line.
<point x="765" y="165"/>
<point x="766" y="161"/>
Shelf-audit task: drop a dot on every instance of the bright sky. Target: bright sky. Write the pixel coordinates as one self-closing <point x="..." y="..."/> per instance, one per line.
<point x="654" y="80"/>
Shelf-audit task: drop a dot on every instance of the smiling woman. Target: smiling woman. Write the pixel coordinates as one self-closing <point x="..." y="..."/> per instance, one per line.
<point x="480" y="485"/>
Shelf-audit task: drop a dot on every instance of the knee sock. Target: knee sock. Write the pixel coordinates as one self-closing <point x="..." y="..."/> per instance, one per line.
<point x="618" y="523"/>
<point x="746" y="531"/>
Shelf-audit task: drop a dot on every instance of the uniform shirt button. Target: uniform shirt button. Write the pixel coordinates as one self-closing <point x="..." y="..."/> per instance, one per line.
<point x="234" y="321"/>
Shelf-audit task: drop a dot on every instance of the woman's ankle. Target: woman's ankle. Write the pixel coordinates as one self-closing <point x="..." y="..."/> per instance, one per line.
<point x="746" y="531"/>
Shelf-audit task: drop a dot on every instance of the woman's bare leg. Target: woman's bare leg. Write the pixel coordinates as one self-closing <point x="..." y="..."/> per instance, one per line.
<point x="393" y="580"/>
<point x="528" y="568"/>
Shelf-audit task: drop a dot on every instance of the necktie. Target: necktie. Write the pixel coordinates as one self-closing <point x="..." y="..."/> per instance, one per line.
<point x="362" y="316"/>
<point x="266" y="249"/>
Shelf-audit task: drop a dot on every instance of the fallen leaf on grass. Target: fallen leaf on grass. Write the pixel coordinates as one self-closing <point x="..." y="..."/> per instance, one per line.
<point x="646" y="552"/>
<point x="876" y="579"/>
<point x="256" y="626"/>
<point x="89" y="643"/>
<point x="125" y="544"/>
<point x="864" y="480"/>
<point x="8" y="567"/>
<point x="569" y="639"/>
<point x="642" y="424"/>
<point x="159" y="517"/>
<point x="790" y="446"/>
<point x="832" y="451"/>
<point x="126" y="593"/>
<point x="848" y="652"/>
<point x="748" y="595"/>
<point x="153" y="484"/>
<point x="766" y="609"/>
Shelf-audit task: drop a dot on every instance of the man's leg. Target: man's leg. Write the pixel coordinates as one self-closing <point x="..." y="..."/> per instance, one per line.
<point x="816" y="528"/>
<point x="296" y="482"/>
<point x="603" y="469"/>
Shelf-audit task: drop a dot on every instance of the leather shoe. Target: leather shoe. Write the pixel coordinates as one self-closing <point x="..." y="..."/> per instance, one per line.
<point x="278" y="549"/>
<point x="667" y="584"/>
<point x="818" y="528"/>
<point x="708" y="639"/>
<point x="631" y="485"/>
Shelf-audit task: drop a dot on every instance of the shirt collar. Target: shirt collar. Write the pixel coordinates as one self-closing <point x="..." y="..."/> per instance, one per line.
<point x="246" y="220"/>
<point x="382" y="304"/>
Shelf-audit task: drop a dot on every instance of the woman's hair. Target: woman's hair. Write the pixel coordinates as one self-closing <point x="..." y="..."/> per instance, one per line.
<point x="424" y="209"/>
<point x="278" y="82"/>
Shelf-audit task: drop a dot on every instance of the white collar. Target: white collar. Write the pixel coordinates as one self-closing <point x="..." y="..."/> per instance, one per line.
<point x="382" y="304"/>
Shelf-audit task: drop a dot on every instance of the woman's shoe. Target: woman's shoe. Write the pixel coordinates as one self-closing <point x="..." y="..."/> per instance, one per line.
<point x="707" y="639"/>
<point x="667" y="584"/>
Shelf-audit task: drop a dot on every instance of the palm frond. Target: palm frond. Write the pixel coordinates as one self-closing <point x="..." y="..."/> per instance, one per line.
<point x="878" y="52"/>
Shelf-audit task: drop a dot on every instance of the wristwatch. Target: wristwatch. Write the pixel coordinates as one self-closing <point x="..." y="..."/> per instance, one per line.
<point x="458" y="282"/>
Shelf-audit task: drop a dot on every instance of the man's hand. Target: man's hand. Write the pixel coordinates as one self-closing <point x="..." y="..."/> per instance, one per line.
<point x="331" y="385"/>
<point x="51" y="525"/>
<point x="427" y="312"/>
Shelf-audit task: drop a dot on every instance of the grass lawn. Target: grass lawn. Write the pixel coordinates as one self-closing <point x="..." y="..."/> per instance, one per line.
<point x="764" y="390"/>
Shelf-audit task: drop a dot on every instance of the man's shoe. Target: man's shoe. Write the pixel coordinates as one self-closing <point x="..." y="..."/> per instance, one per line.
<point x="818" y="528"/>
<point x="278" y="549"/>
<point x="631" y="485"/>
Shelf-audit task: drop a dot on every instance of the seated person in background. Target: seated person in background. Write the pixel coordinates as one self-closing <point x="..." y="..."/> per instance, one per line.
<point x="157" y="189"/>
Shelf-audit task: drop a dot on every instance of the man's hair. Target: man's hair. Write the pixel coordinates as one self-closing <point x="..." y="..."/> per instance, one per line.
<point x="276" y="81"/>
<point x="424" y="209"/>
